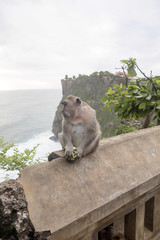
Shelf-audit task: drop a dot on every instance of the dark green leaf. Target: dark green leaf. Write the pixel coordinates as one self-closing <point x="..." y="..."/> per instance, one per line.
<point x="110" y="91"/>
<point x="131" y="71"/>
<point x="103" y="99"/>
<point x="142" y="105"/>
<point x="135" y="91"/>
<point x="116" y="86"/>
<point x="149" y="97"/>
<point x="158" y="107"/>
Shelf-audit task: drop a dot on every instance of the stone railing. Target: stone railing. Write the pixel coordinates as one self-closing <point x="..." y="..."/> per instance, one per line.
<point x="137" y="220"/>
<point x="118" y="186"/>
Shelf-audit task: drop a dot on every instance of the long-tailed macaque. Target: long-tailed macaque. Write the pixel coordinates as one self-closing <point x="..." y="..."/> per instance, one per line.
<point x="80" y="127"/>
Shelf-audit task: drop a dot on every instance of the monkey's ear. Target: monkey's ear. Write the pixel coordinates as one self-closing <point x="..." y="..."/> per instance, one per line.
<point x="78" y="101"/>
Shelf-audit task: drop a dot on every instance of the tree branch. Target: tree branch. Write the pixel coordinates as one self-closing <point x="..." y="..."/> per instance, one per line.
<point x="143" y="73"/>
<point x="125" y="76"/>
<point x="149" y="78"/>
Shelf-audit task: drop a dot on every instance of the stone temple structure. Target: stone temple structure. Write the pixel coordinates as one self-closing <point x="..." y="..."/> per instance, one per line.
<point x="117" y="186"/>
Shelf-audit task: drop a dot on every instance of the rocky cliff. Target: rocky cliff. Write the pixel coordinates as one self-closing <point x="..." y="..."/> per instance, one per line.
<point x="91" y="89"/>
<point x="14" y="216"/>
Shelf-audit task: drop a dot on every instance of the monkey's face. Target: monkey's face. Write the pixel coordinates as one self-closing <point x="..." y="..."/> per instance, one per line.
<point x="70" y="105"/>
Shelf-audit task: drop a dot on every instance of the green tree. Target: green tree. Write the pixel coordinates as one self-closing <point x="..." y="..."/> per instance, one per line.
<point x="17" y="160"/>
<point x="138" y="98"/>
<point x="94" y="74"/>
<point x="66" y="77"/>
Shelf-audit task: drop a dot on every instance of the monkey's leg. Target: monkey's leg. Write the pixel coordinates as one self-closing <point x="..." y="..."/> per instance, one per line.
<point x="88" y="146"/>
<point x="92" y="146"/>
<point x="60" y="137"/>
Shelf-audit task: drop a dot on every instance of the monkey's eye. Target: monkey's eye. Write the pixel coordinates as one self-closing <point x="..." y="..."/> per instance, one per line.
<point x="64" y="103"/>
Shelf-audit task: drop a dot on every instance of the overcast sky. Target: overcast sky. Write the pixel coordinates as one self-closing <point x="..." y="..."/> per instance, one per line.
<point x="43" y="40"/>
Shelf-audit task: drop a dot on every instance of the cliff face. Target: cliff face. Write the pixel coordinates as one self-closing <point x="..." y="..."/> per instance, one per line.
<point x="91" y="89"/>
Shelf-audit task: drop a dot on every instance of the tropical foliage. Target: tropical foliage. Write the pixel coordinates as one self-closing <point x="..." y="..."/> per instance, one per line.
<point x="12" y="159"/>
<point x="138" y="98"/>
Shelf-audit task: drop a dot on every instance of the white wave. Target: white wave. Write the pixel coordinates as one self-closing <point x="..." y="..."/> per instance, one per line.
<point x="45" y="147"/>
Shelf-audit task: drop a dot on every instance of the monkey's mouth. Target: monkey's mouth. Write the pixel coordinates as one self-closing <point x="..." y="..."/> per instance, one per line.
<point x="63" y="110"/>
<point x="65" y="113"/>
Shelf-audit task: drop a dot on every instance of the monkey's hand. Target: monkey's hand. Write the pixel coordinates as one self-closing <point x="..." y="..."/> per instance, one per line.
<point x="79" y="152"/>
<point x="69" y="151"/>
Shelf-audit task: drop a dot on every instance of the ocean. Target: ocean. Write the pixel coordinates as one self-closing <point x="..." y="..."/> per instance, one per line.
<point x="26" y="118"/>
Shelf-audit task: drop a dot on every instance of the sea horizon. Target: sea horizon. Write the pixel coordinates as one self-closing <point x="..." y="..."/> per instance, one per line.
<point x="26" y="118"/>
<point x="30" y="89"/>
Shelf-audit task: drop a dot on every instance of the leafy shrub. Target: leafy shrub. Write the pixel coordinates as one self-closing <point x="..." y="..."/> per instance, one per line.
<point x="17" y="160"/>
<point x="139" y="98"/>
<point x="124" y="129"/>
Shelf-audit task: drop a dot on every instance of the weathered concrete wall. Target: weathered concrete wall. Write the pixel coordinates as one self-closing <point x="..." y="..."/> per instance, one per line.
<point x="67" y="198"/>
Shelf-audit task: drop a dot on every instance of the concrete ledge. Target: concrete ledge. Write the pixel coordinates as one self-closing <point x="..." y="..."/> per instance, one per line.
<point x="68" y="198"/>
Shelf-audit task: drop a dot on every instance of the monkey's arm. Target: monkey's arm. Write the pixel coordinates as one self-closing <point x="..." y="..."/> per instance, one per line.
<point x="69" y="145"/>
<point x="65" y="140"/>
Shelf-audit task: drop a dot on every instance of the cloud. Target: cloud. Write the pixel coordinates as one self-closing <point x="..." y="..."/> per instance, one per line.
<point x="42" y="41"/>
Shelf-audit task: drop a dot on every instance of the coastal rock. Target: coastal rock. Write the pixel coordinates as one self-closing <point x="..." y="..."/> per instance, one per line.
<point x="14" y="217"/>
<point x="91" y="89"/>
<point x="54" y="138"/>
